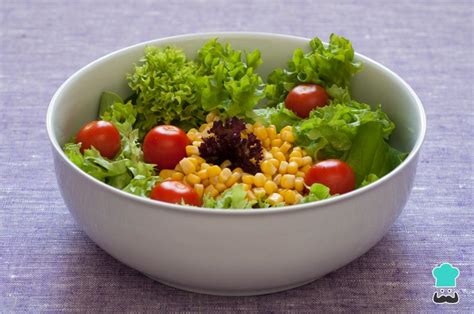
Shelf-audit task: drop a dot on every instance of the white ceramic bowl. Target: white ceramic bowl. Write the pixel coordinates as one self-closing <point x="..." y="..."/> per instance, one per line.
<point x="233" y="252"/>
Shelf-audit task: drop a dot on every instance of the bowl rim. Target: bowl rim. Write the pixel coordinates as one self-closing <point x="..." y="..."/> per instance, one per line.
<point x="221" y="211"/>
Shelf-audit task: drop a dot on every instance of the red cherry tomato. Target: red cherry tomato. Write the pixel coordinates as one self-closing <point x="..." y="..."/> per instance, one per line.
<point x="103" y="135"/>
<point x="335" y="174"/>
<point x="304" y="98"/>
<point x="165" y="146"/>
<point x="175" y="192"/>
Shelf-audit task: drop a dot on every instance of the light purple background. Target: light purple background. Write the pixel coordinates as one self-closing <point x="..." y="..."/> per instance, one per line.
<point x="47" y="263"/>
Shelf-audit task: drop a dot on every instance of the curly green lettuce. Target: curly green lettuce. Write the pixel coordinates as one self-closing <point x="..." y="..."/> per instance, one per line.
<point x="165" y="83"/>
<point x="326" y="66"/>
<point x="127" y="170"/>
<point x="227" y="81"/>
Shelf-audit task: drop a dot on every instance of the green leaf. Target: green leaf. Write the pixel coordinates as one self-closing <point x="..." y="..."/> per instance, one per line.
<point x="107" y="99"/>
<point x="317" y="192"/>
<point x="370" y="178"/>
<point x="279" y="116"/>
<point x="371" y="154"/>
<point x="165" y="83"/>
<point x="326" y="66"/>
<point x="227" y="83"/>
<point x="329" y="131"/>
<point x="232" y="198"/>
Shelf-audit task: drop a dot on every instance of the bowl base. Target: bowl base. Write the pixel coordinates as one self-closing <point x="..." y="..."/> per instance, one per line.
<point x="231" y="293"/>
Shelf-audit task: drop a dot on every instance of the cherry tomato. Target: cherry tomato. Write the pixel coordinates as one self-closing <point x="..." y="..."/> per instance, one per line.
<point x="175" y="192"/>
<point x="165" y="146"/>
<point x="103" y="135"/>
<point x="335" y="174"/>
<point x="304" y="98"/>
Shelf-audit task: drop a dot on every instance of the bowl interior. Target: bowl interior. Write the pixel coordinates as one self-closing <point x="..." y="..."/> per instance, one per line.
<point x="76" y="102"/>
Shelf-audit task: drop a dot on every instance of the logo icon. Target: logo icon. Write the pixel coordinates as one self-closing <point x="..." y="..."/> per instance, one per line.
<point x="445" y="282"/>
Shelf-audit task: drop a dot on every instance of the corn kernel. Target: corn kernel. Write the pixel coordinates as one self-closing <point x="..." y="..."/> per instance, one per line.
<point x="267" y="155"/>
<point x="270" y="187"/>
<point x="258" y="192"/>
<point x="287" y="128"/>
<point x="292" y="167"/>
<point x="249" y="127"/>
<point x="205" y="182"/>
<point x="280" y="156"/>
<point x="203" y="127"/>
<point x="276" y="142"/>
<point x="250" y="195"/>
<point x="166" y="173"/>
<point x="274" y="150"/>
<point x="247" y="178"/>
<point x="194" y="161"/>
<point x="267" y="142"/>
<point x="272" y="132"/>
<point x="288" y="136"/>
<point x="177" y="176"/>
<point x="289" y="196"/>
<point x="214" y="180"/>
<point x="268" y="167"/>
<point x="192" y="150"/>
<point x="220" y="186"/>
<point x="202" y="174"/>
<point x="238" y="170"/>
<point x="197" y="143"/>
<point x="297" y="160"/>
<point x="277" y="179"/>
<point x="283" y="167"/>
<point x="225" y="175"/>
<point x="305" y="168"/>
<point x="193" y="179"/>
<point x="295" y="153"/>
<point x="199" y="188"/>
<point x="287" y="181"/>
<point x="205" y="165"/>
<point x="185" y="181"/>
<point x="226" y="164"/>
<point x="274" y="199"/>
<point x="211" y="190"/>
<point x="275" y="162"/>
<point x="259" y="179"/>
<point x="187" y="165"/>
<point x="213" y="171"/>
<point x="307" y="160"/>
<point x="260" y="133"/>
<point x="233" y="179"/>
<point x="210" y="117"/>
<point x="299" y="184"/>
<point x="199" y="159"/>
<point x="246" y="187"/>
<point x="285" y="147"/>
<point x="178" y="168"/>
<point x="300" y="174"/>
<point x="298" y="197"/>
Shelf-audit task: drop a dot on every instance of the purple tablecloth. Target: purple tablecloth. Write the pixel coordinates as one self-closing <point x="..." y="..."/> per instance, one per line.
<point x="48" y="264"/>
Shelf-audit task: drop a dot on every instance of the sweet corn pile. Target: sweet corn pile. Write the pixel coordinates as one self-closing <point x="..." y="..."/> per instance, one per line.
<point x="282" y="170"/>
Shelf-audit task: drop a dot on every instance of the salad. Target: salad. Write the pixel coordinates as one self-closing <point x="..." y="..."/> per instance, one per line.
<point x="211" y="132"/>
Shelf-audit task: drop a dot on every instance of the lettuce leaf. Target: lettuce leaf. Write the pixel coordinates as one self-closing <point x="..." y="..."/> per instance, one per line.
<point x="127" y="170"/>
<point x="227" y="82"/>
<point x="232" y="198"/>
<point x="279" y="116"/>
<point x="326" y="66"/>
<point x="165" y="83"/>
<point x="329" y="131"/>
<point x="317" y="192"/>
<point x="372" y="155"/>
